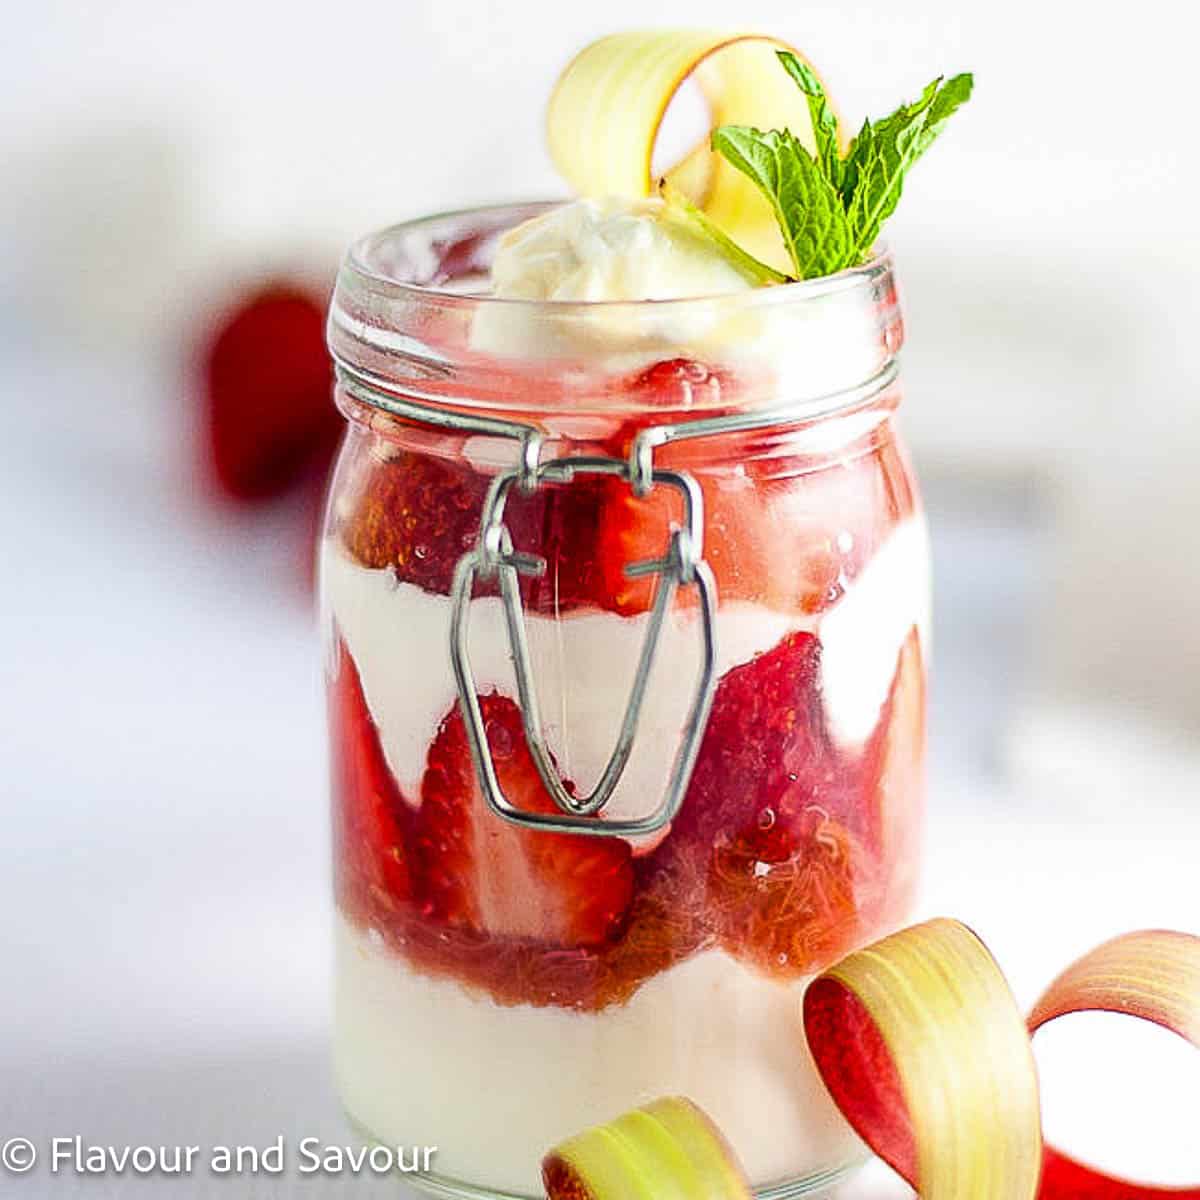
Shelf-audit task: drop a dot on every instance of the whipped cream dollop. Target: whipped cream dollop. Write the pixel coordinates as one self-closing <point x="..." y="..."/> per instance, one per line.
<point x="612" y="250"/>
<point x="591" y="250"/>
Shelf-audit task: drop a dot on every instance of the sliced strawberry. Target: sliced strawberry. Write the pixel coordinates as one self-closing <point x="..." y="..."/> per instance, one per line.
<point x="787" y="543"/>
<point x="765" y="747"/>
<point x="781" y="528"/>
<point x="785" y="851"/>
<point x="760" y="846"/>
<point x="784" y="525"/>
<point x="419" y="512"/>
<point x="760" y="541"/>
<point x="371" y="821"/>
<point x="484" y="874"/>
<point x="267" y="378"/>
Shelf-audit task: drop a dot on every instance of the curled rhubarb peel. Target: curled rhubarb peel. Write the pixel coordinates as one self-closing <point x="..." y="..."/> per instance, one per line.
<point x="607" y="107"/>
<point x="1154" y="976"/>
<point x="920" y="1043"/>
<point x="895" y="1032"/>
<point x="668" y="1150"/>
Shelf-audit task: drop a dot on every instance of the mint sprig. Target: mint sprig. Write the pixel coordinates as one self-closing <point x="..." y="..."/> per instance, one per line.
<point x="807" y="206"/>
<point x="830" y="208"/>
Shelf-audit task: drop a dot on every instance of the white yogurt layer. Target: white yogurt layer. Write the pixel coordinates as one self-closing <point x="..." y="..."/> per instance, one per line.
<point x="424" y="1061"/>
<point x="584" y="663"/>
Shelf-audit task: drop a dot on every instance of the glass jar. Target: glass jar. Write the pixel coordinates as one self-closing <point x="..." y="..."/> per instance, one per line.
<point x="626" y="606"/>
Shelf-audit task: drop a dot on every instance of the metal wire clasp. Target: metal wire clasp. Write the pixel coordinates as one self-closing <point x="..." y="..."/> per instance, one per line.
<point x="494" y="556"/>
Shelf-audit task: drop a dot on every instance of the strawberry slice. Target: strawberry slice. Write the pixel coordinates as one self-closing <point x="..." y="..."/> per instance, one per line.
<point x="760" y="540"/>
<point x="782" y="529"/>
<point x="784" y="526"/>
<point x="765" y="747"/>
<point x="761" y="845"/>
<point x="481" y="873"/>
<point x="418" y="513"/>
<point x="371" y="821"/>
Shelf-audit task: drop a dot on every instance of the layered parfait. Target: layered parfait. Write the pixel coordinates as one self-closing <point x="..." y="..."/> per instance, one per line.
<point x="500" y="987"/>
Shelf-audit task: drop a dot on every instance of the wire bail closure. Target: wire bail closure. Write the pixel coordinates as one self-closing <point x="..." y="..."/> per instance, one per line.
<point x="683" y="565"/>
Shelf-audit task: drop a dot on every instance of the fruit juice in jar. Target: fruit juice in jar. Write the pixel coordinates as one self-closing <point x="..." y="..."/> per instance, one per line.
<point x="501" y="986"/>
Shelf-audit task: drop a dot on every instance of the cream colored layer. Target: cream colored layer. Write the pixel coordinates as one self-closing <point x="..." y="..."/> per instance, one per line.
<point x="422" y="1060"/>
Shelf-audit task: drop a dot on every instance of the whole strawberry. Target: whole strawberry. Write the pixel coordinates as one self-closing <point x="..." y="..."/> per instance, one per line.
<point x="268" y="415"/>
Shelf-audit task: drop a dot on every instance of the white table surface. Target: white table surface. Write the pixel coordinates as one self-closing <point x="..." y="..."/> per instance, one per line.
<point x="164" y="910"/>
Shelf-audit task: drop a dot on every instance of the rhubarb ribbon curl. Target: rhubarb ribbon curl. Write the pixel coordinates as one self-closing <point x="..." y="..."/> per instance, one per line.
<point x="921" y="1044"/>
<point x="607" y="106"/>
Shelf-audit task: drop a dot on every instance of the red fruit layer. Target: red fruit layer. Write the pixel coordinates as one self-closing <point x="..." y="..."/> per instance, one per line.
<point x="270" y="417"/>
<point x="766" y="751"/>
<point x="786" y="852"/>
<point x="485" y="875"/>
<point x="780" y="530"/>
<point x="772" y="812"/>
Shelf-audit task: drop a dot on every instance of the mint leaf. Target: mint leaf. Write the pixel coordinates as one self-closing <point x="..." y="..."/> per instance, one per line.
<point x="824" y="120"/>
<point x="830" y="209"/>
<point x="878" y="139"/>
<point x="809" y="210"/>
<point x="881" y="155"/>
<point x="754" y="270"/>
<point x="948" y="100"/>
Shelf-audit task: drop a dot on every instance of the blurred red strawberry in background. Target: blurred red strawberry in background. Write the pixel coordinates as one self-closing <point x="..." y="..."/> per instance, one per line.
<point x="269" y="416"/>
<point x="268" y="427"/>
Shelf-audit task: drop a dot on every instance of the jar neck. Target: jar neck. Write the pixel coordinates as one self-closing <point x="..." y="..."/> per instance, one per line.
<point x="411" y="325"/>
<point x="792" y="440"/>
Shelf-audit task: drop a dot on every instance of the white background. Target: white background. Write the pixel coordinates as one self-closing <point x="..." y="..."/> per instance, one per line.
<point x="163" y="878"/>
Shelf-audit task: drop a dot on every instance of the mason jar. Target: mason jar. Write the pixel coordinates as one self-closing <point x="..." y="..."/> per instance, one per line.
<point x="626" y="611"/>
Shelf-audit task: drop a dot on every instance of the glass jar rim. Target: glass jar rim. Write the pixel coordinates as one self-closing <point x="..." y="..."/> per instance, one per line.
<point x="360" y="268"/>
<point x="410" y="315"/>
